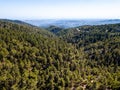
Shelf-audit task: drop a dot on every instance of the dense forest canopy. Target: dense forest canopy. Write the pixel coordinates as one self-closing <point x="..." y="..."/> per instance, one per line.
<point x="32" y="58"/>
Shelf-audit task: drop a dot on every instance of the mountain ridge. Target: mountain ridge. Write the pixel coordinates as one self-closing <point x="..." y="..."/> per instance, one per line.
<point x="72" y="23"/>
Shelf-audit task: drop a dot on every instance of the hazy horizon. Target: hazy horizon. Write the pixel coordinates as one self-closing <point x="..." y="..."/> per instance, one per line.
<point x="57" y="19"/>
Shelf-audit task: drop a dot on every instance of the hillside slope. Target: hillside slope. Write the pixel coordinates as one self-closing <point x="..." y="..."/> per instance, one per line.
<point x="32" y="58"/>
<point x="101" y="39"/>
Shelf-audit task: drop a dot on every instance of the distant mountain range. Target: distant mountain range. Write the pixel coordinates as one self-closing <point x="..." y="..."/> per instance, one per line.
<point x="71" y="23"/>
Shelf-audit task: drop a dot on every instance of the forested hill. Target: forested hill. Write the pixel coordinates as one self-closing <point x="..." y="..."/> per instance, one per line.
<point x="22" y="26"/>
<point x="32" y="58"/>
<point x="91" y="28"/>
<point x="15" y="21"/>
<point x="101" y="42"/>
<point x="90" y="34"/>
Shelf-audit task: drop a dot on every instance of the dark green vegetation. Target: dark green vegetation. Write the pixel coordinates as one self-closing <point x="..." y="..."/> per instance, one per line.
<point x="32" y="58"/>
<point x="54" y="29"/>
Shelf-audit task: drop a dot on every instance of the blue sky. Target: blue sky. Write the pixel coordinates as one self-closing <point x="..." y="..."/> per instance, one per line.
<point x="59" y="9"/>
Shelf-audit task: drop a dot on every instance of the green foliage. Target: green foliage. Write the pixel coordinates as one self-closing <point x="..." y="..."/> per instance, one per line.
<point x="34" y="59"/>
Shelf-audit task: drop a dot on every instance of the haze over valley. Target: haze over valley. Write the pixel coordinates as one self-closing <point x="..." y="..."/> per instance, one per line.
<point x="68" y="23"/>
